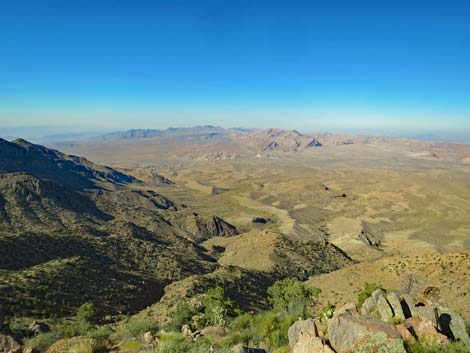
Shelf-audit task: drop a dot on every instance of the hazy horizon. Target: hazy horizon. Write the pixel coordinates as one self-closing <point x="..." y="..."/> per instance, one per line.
<point x="400" y="68"/>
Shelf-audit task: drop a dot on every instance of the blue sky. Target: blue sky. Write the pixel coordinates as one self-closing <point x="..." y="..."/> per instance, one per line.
<point x="311" y="65"/>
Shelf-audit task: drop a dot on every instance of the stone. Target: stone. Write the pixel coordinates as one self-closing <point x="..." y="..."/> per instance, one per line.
<point x="213" y="331"/>
<point x="370" y="305"/>
<point x="452" y="325"/>
<point x="300" y="328"/>
<point x="394" y="301"/>
<point x="8" y="344"/>
<point x="348" y="333"/>
<point x="384" y="309"/>
<point x="348" y="308"/>
<point x="424" y="329"/>
<point x="405" y="334"/>
<point x="148" y="338"/>
<point x="186" y="331"/>
<point x="429" y="295"/>
<point x="310" y="344"/>
<point x="427" y="313"/>
<point x="408" y="305"/>
<point x="38" y="327"/>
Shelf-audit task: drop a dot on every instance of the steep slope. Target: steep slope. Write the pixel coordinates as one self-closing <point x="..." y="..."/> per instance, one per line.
<point x="71" y="171"/>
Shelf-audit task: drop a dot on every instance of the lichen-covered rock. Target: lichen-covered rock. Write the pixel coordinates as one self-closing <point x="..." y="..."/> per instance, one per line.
<point x="369" y="307"/>
<point x="452" y="325"/>
<point x="301" y="328"/>
<point x="384" y="309"/>
<point x="68" y="344"/>
<point x="395" y="303"/>
<point x="350" y="333"/>
<point x="423" y="329"/>
<point x="408" y="305"/>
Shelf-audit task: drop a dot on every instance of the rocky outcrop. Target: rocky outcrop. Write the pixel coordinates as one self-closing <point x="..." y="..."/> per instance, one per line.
<point x="386" y="322"/>
<point x="206" y="228"/>
<point x="349" y="333"/>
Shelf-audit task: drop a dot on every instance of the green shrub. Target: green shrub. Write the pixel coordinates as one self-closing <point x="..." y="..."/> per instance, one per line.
<point x="429" y="346"/>
<point x="181" y="316"/>
<point x="135" y="327"/>
<point x="87" y="313"/>
<point x="42" y="341"/>
<point x="173" y="343"/>
<point x="218" y="308"/>
<point x="365" y="293"/>
<point x="292" y="297"/>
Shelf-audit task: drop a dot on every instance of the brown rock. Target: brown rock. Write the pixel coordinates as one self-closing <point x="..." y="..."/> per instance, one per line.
<point x="8" y="344"/>
<point x="310" y="344"/>
<point x="422" y="329"/>
<point x="405" y="334"/>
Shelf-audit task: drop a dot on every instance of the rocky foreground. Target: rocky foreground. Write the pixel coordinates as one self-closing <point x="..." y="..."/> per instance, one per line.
<point x="386" y="322"/>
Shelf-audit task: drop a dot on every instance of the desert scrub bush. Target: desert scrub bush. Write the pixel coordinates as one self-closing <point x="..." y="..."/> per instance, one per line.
<point x="218" y="309"/>
<point x="134" y="327"/>
<point x="429" y="346"/>
<point x="132" y="346"/>
<point x="328" y="312"/>
<point x="87" y="313"/>
<point x="293" y="297"/>
<point x="182" y="315"/>
<point x="42" y="341"/>
<point x="365" y="293"/>
<point x="173" y="343"/>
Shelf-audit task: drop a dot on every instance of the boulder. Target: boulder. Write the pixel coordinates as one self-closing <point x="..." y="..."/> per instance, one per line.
<point x="213" y="331"/>
<point x="424" y="329"/>
<point x="148" y="338"/>
<point x="405" y="334"/>
<point x="394" y="301"/>
<point x="384" y="309"/>
<point x="38" y="327"/>
<point x="310" y="344"/>
<point x="8" y="344"/>
<point x="369" y="307"/>
<point x="348" y="333"/>
<point x="452" y="325"/>
<point x="301" y="328"/>
<point x="186" y="331"/>
<point x="429" y="295"/>
<point x="348" y="308"/>
<point x="427" y="313"/>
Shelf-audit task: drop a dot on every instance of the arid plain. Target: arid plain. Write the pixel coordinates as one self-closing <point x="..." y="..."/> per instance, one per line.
<point x="398" y="208"/>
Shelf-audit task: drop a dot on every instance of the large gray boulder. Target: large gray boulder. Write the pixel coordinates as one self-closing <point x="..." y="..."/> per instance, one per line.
<point x="395" y="303"/>
<point x="452" y="325"/>
<point x="350" y="333"/>
<point x="408" y="305"/>
<point x="384" y="309"/>
<point x="301" y="328"/>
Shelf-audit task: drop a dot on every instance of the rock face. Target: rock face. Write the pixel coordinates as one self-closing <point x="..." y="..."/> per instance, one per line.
<point x="394" y="301"/>
<point x="424" y="329"/>
<point x="37" y="328"/>
<point x="301" y="328"/>
<point x="203" y="229"/>
<point x="348" y="333"/>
